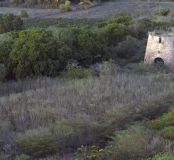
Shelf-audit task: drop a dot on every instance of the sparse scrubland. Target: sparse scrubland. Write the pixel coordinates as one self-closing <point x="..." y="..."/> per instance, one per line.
<point x="77" y="89"/>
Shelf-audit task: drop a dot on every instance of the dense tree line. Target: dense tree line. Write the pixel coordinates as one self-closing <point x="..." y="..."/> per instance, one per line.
<point x="10" y="22"/>
<point x="46" y="52"/>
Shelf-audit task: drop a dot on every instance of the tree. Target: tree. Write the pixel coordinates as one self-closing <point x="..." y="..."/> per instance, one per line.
<point x="9" y="22"/>
<point x="37" y="53"/>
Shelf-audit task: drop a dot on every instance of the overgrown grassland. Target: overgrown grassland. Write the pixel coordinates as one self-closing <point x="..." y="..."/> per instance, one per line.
<point x="92" y="109"/>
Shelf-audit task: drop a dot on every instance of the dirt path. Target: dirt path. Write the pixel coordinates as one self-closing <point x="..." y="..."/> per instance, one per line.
<point x="94" y="12"/>
<point x="101" y="11"/>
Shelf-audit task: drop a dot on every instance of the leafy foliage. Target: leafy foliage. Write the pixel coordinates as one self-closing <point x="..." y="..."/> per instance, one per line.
<point x="85" y="4"/>
<point x="9" y="22"/>
<point x="165" y="121"/>
<point x="23" y="157"/>
<point x="2" y="72"/>
<point x="160" y="156"/>
<point x="77" y="73"/>
<point x="36" y="52"/>
<point x="93" y="153"/>
<point x="129" y="50"/>
<point x="77" y="131"/>
<point x="168" y="132"/>
<point x="23" y="13"/>
<point x="37" y="143"/>
<point x="162" y="12"/>
<point x="126" y="20"/>
<point x="59" y="22"/>
<point x="65" y="7"/>
<point x="117" y="29"/>
<point x="124" y="144"/>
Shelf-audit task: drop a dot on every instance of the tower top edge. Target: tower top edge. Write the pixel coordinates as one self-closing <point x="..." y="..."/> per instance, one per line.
<point x="169" y="34"/>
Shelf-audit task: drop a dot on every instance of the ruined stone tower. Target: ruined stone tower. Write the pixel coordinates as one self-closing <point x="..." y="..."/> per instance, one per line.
<point x="160" y="48"/>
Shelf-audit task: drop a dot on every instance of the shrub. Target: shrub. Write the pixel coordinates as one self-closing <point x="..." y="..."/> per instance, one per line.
<point x="162" y="12"/>
<point x="37" y="143"/>
<point x="158" y="124"/>
<point x="85" y="4"/>
<point x="23" y="14"/>
<point x="36" y="52"/>
<point x="160" y="156"/>
<point x="77" y="73"/>
<point x="126" y="20"/>
<point x="165" y="121"/>
<point x="168" y="132"/>
<point x="65" y="7"/>
<point x="62" y="7"/>
<point x="5" y="49"/>
<point x="135" y="143"/>
<point x="23" y="157"/>
<point x="2" y="72"/>
<point x="9" y="22"/>
<point x="92" y="153"/>
<point x="88" y="46"/>
<point x="68" y="5"/>
<point x="131" y="50"/>
<point x="77" y="131"/>
<point x="141" y="68"/>
<point x="140" y="27"/>
<point x="115" y="32"/>
<point x="30" y="3"/>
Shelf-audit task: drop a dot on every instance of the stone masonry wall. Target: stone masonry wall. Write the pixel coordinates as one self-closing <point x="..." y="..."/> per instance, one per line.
<point x="164" y="50"/>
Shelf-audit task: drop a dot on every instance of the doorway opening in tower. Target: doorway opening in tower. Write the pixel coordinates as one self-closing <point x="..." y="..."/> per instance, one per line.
<point x="159" y="61"/>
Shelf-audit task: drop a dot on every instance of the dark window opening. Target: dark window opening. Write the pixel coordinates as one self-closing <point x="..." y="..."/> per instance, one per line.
<point x="159" y="61"/>
<point x="160" y="40"/>
<point x="159" y="52"/>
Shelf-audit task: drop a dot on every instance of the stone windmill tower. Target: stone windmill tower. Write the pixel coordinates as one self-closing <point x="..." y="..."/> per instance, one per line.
<point x="160" y="48"/>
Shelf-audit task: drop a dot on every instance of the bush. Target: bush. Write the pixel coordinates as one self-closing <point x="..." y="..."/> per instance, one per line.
<point x="135" y="143"/>
<point x="9" y="22"/>
<point x="141" y="27"/>
<point x="23" y="157"/>
<point x="77" y="131"/>
<point x="126" y="20"/>
<point x="160" y="156"/>
<point x="165" y="121"/>
<point x="37" y="53"/>
<point x="92" y="153"/>
<point x="162" y="12"/>
<point x="77" y="73"/>
<point x="142" y="68"/>
<point x="131" y="50"/>
<point x="168" y="132"/>
<point x="5" y="49"/>
<point x="37" y="143"/>
<point x="2" y="72"/>
<point x="23" y="14"/>
<point x="88" y="46"/>
<point x="85" y="4"/>
<point x="65" y="7"/>
<point x="115" y="32"/>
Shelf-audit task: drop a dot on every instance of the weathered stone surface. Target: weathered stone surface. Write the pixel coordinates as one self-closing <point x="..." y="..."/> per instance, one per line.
<point x="160" y="46"/>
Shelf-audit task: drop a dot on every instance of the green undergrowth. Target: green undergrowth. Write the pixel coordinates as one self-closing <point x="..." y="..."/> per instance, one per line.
<point x="59" y="22"/>
<point x="160" y="156"/>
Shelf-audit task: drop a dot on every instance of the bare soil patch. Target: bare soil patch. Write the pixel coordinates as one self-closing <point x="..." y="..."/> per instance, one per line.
<point x="105" y="10"/>
<point x="100" y="11"/>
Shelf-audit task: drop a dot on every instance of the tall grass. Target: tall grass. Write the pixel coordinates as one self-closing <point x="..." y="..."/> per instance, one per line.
<point x="91" y="96"/>
<point x="107" y="102"/>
